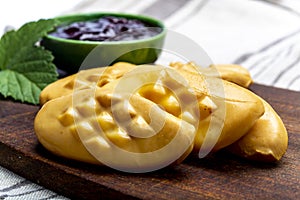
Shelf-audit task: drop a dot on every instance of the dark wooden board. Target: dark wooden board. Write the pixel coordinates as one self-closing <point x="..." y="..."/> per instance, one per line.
<point x="219" y="176"/>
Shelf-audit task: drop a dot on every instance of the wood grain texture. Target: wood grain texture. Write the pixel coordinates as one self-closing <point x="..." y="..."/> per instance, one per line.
<point x="219" y="176"/>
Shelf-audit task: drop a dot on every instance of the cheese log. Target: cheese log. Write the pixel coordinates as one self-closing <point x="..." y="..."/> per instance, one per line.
<point x="266" y="141"/>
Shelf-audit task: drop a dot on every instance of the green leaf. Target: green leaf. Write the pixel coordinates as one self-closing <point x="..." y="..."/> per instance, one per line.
<point x="19" y="87"/>
<point x="13" y="42"/>
<point x="26" y="67"/>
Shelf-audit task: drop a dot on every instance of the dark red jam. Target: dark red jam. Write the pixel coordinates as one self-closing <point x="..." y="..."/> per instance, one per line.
<point x="107" y="28"/>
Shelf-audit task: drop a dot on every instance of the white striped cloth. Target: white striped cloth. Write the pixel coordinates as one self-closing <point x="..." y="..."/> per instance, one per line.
<point x="263" y="36"/>
<point x="14" y="187"/>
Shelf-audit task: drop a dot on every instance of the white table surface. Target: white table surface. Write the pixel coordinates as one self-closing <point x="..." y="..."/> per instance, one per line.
<point x="263" y="36"/>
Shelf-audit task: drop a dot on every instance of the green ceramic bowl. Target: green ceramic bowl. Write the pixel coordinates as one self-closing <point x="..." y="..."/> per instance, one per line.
<point x="70" y="55"/>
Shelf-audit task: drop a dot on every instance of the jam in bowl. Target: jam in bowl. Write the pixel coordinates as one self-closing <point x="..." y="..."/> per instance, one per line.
<point x="108" y="28"/>
<point x="110" y="37"/>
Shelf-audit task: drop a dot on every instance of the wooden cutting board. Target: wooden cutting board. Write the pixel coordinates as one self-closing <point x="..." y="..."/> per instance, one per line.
<point x="219" y="176"/>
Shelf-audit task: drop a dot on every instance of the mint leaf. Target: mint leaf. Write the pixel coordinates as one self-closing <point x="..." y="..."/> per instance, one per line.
<point x="25" y="68"/>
